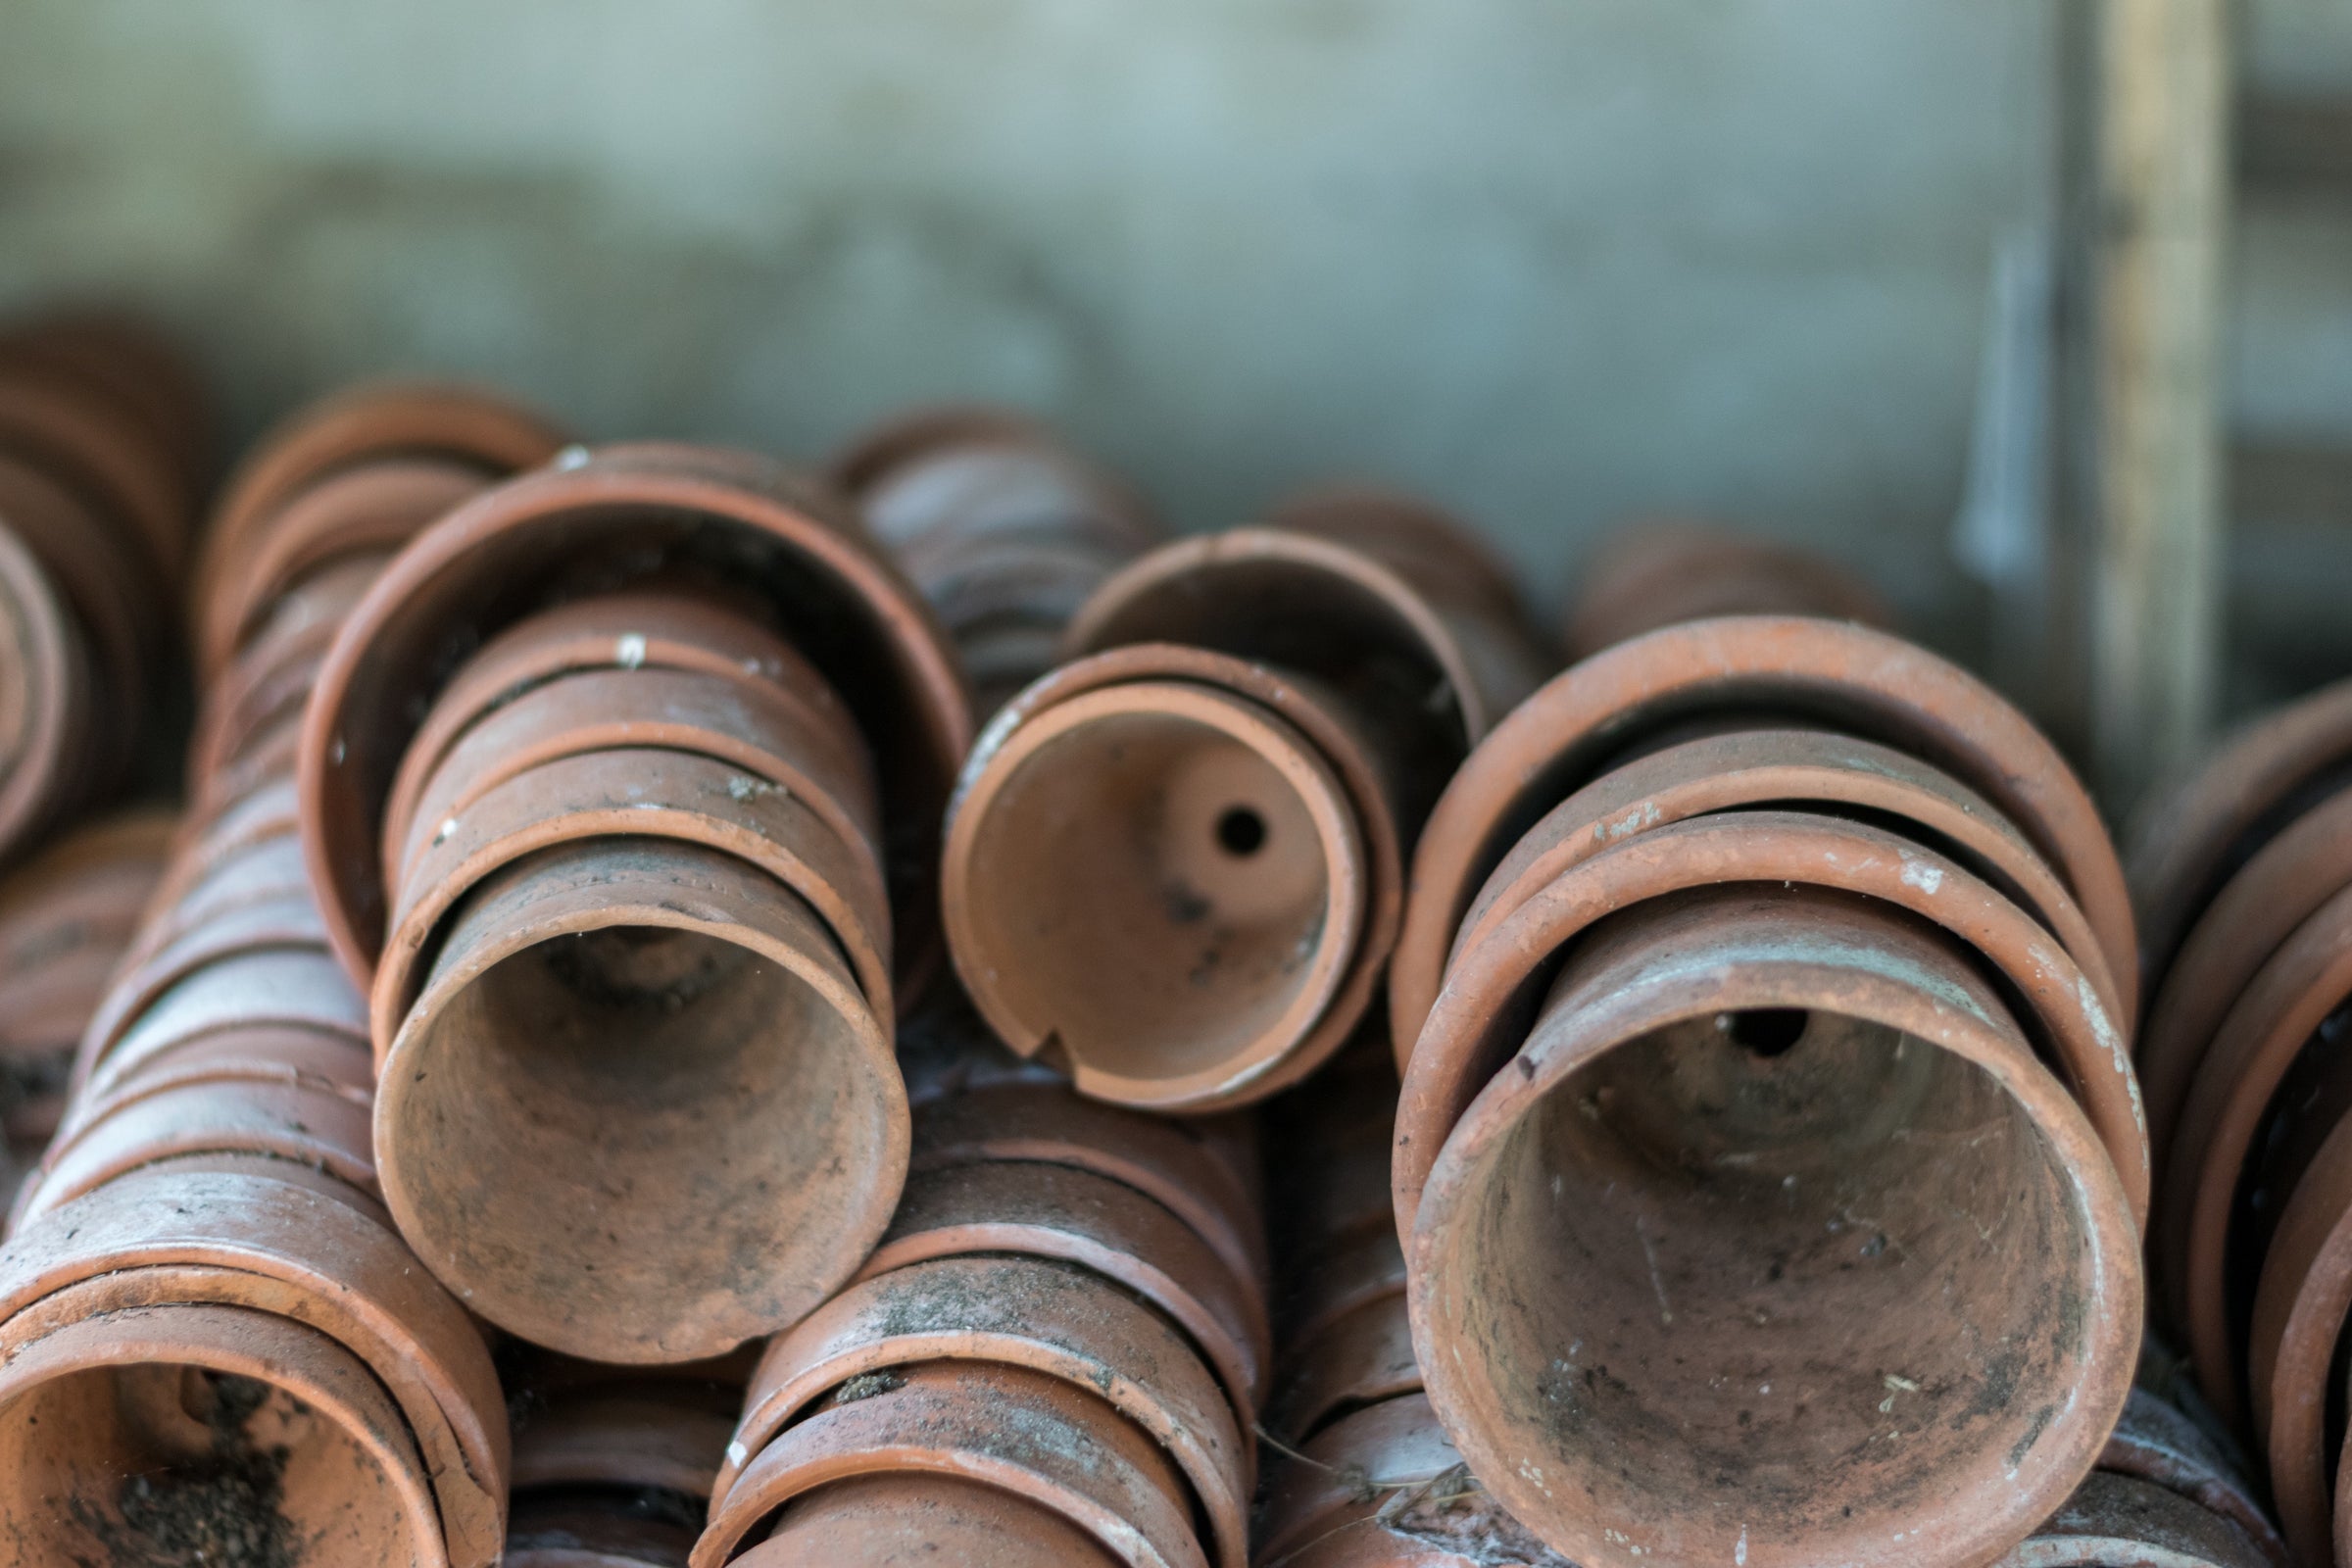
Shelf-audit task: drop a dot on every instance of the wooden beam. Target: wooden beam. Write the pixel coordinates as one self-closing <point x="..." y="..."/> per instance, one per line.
<point x="2163" y="165"/>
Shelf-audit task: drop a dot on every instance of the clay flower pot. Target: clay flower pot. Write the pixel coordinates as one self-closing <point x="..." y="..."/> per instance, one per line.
<point x="1078" y="1217"/>
<point x="2300" y="1310"/>
<point x="1774" y="1177"/>
<point x="2189" y="839"/>
<point x="1450" y="560"/>
<point x="1361" y="1357"/>
<point x="1172" y="1161"/>
<point x="2158" y="1444"/>
<point x="1658" y="573"/>
<point x="1494" y="988"/>
<point x="612" y="1468"/>
<point x="1194" y="895"/>
<point x="285" y="986"/>
<point x="1842" y="677"/>
<point x="643" y="511"/>
<point x="83" y="441"/>
<point x="879" y="1521"/>
<point x="1025" y="1432"/>
<point x="2119" y="1522"/>
<point x="47" y="700"/>
<point x="206" y="1434"/>
<point x="639" y="1067"/>
<point x="1005" y="530"/>
<point x="362" y="427"/>
<point x="1066" y="1322"/>
<point x="129" y="363"/>
<point x="292" y="1249"/>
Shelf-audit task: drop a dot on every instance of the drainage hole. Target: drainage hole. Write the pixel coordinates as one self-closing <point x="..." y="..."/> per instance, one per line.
<point x="1241" y="831"/>
<point x="1764" y="1031"/>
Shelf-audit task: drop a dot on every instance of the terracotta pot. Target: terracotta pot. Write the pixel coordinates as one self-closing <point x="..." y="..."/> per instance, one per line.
<point x="360" y="425"/>
<point x="1362" y="1357"/>
<point x="1310" y="606"/>
<point x="46" y="700"/>
<point x="1050" y="1318"/>
<point x="371" y="510"/>
<point x="1172" y="1161"/>
<point x="249" y="1114"/>
<point x="1494" y="988"/>
<point x="1207" y="914"/>
<point x="1004" y="532"/>
<point x="168" y="1236"/>
<point x="1658" y="573"/>
<point x="678" y="993"/>
<point x="1078" y="1217"/>
<point x="2189" y="838"/>
<point x="2243" y="924"/>
<point x="110" y="589"/>
<point x="1277" y="1027"/>
<point x="2118" y="1522"/>
<point x="2299" y="1314"/>
<point x="636" y="711"/>
<point x="285" y="924"/>
<point x="130" y="364"/>
<point x="630" y="512"/>
<point x="282" y="986"/>
<point x="613" y="1466"/>
<point x="1336" y="1279"/>
<point x="1851" y="679"/>
<point x="1697" y="1241"/>
<point x="262" y="871"/>
<point x="644" y="633"/>
<point x="2158" y="1444"/>
<point x="1428" y="546"/>
<point x="85" y="444"/>
<point x="1811" y="771"/>
<point x="611" y="798"/>
<point x="1031" y="1435"/>
<point x="2206" y="1233"/>
<point x="205" y="1433"/>
<point x="883" y="1521"/>
<point x="571" y="1532"/>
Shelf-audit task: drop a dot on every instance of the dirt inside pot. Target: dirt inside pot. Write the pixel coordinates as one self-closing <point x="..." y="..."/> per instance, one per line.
<point x="1778" y="1277"/>
<point x="160" y="1466"/>
<point x="636" y="1141"/>
<point x="1153" y="896"/>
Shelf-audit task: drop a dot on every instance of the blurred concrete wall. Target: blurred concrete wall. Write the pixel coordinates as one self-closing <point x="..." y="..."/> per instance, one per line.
<point x="1554" y="261"/>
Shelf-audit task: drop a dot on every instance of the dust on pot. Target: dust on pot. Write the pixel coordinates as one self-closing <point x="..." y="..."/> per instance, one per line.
<point x="880" y="1521"/>
<point x="1688" y="1282"/>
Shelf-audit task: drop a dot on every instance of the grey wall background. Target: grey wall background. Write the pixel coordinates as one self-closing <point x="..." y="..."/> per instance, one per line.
<point x="1555" y="262"/>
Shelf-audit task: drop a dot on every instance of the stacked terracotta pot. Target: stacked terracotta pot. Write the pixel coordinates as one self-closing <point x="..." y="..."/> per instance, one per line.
<point x="65" y="918"/>
<point x="1054" y="1356"/>
<point x="103" y="457"/>
<point x="1174" y="864"/>
<point x="218" y="1348"/>
<point x="1006" y="531"/>
<point x="1769" y="1160"/>
<point x="613" y="1465"/>
<point x="1658" y="573"/>
<point x="1368" y="1475"/>
<point x="606" y="789"/>
<point x="2244" y="879"/>
<point x="2164" y="1491"/>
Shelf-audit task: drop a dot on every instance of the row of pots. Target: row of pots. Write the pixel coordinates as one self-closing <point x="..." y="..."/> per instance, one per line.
<point x="218" y="1348"/>
<point x="1174" y="865"/>
<point x="619" y="790"/>
<point x="1368" y="1475"/>
<point x="66" y="917"/>
<point x="1054" y="1356"/>
<point x="103" y="457"/>
<point x="1004" y="531"/>
<point x="1769" y="1164"/>
<point x="2244" y="881"/>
